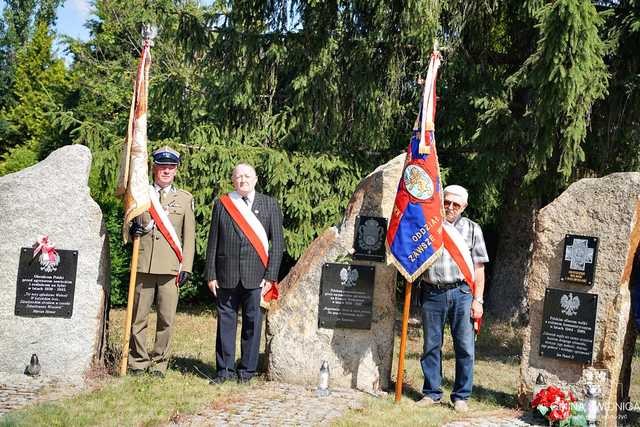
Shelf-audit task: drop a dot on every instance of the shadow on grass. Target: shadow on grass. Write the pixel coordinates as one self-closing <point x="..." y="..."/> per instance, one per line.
<point x="189" y="365"/>
<point x="407" y="391"/>
<point x="480" y="393"/>
<point x="487" y="395"/>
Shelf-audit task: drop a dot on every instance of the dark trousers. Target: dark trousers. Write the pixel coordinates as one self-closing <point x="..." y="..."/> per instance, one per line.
<point x="229" y="302"/>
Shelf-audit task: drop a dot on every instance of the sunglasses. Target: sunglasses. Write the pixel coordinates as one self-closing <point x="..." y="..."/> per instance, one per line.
<point x="450" y="203"/>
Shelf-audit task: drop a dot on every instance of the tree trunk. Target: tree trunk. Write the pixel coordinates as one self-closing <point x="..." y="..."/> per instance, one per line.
<point x="507" y="290"/>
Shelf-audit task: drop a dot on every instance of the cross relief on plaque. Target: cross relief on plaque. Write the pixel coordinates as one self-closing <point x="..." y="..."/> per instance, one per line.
<point x="579" y="254"/>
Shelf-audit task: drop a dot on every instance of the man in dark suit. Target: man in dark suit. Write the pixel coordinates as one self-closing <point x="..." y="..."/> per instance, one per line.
<point x="245" y="249"/>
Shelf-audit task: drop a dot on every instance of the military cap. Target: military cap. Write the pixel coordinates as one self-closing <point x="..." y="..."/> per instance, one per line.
<point x="165" y="156"/>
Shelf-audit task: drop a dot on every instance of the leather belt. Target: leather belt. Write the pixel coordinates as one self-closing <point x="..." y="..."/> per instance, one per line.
<point x="444" y="286"/>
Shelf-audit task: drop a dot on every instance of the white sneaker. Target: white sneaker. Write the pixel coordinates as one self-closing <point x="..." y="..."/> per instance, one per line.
<point x="461" y="406"/>
<point x="427" y="401"/>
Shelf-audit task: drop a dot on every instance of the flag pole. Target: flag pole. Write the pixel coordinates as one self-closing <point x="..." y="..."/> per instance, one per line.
<point x="132" y="291"/>
<point x="136" y="173"/>
<point x="403" y="340"/>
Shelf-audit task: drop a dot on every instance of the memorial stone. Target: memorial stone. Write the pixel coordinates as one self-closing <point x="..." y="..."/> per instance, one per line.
<point x="578" y="332"/>
<point x="296" y="342"/>
<point x="60" y="316"/>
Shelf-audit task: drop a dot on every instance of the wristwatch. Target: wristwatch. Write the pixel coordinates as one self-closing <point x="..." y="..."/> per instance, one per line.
<point x="479" y="300"/>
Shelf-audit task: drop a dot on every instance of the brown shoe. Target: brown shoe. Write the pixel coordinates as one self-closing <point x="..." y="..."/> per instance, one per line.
<point x="461" y="406"/>
<point x="427" y="401"/>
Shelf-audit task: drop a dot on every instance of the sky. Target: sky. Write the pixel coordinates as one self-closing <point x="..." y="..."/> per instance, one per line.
<point x="72" y="16"/>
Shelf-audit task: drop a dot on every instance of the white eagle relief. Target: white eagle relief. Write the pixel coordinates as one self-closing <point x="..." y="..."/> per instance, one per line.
<point x="569" y="304"/>
<point x="46" y="264"/>
<point x="348" y="277"/>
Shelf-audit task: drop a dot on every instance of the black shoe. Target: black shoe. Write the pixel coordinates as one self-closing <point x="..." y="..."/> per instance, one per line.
<point x="136" y="372"/>
<point x="157" y="374"/>
<point x="219" y="380"/>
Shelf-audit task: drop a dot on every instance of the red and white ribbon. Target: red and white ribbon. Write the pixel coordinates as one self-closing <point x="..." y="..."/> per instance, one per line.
<point x="249" y="223"/>
<point x="46" y="247"/>
<point x="165" y="226"/>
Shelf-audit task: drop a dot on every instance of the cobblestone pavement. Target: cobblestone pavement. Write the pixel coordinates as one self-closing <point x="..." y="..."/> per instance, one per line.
<point x="18" y="390"/>
<point x="276" y="404"/>
<point x="498" y="419"/>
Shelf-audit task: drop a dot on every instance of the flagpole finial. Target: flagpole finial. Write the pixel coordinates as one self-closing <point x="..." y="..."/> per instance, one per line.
<point x="149" y="32"/>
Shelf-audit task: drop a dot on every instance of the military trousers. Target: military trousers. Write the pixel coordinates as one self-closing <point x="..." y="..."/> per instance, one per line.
<point x="161" y="288"/>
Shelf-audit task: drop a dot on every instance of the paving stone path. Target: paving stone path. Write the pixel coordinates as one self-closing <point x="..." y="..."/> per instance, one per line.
<point x="18" y="390"/>
<point x="276" y="404"/>
<point x="502" y="418"/>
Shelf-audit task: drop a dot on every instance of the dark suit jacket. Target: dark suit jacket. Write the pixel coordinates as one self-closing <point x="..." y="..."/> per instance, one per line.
<point x="230" y="256"/>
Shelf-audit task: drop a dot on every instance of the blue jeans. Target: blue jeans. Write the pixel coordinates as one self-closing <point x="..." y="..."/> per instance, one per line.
<point x="438" y="306"/>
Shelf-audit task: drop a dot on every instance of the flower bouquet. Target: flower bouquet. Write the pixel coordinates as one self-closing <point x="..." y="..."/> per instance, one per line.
<point x="558" y="407"/>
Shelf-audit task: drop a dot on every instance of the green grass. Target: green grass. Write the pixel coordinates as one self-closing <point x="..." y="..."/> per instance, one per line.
<point x="147" y="401"/>
<point x="495" y="382"/>
<point x="126" y="401"/>
<point x="144" y="400"/>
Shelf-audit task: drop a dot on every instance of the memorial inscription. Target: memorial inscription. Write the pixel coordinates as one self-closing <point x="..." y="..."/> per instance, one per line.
<point x="568" y="325"/>
<point x="46" y="288"/>
<point x="346" y="296"/>
<point x="369" y="238"/>
<point x="579" y="259"/>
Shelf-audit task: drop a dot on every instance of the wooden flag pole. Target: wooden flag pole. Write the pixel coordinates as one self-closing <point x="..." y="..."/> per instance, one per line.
<point x="132" y="292"/>
<point x="403" y="340"/>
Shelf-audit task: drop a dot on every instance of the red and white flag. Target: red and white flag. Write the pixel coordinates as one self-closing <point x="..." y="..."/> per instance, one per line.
<point x="133" y="178"/>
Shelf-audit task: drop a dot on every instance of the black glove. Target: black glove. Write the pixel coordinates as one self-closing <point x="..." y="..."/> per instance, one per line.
<point x="136" y="229"/>
<point x="183" y="277"/>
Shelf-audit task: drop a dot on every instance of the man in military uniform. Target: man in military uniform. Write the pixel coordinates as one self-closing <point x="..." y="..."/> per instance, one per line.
<point x="159" y="272"/>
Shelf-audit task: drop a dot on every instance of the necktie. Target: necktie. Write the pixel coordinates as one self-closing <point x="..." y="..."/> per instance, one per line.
<point x="245" y="199"/>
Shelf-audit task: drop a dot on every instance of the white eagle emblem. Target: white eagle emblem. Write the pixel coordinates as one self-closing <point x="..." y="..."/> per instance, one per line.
<point x="569" y="304"/>
<point x="348" y="277"/>
<point x="47" y="264"/>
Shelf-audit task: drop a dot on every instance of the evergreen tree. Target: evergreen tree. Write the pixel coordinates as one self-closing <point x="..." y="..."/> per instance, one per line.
<point x="39" y="87"/>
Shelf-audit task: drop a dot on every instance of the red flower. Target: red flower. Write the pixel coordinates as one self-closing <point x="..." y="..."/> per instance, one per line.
<point x="557" y="403"/>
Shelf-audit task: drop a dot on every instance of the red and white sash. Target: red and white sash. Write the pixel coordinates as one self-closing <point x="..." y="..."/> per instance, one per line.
<point x="253" y="230"/>
<point x="248" y="223"/>
<point x="458" y="249"/>
<point x="164" y="224"/>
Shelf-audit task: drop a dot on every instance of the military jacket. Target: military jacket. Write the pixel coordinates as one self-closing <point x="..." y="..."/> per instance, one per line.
<point x="156" y="255"/>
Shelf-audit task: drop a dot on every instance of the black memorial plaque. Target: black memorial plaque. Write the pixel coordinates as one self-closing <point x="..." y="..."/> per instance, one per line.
<point x="346" y="296"/>
<point x="46" y="288"/>
<point x="568" y="325"/>
<point x="369" y="237"/>
<point x="579" y="259"/>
